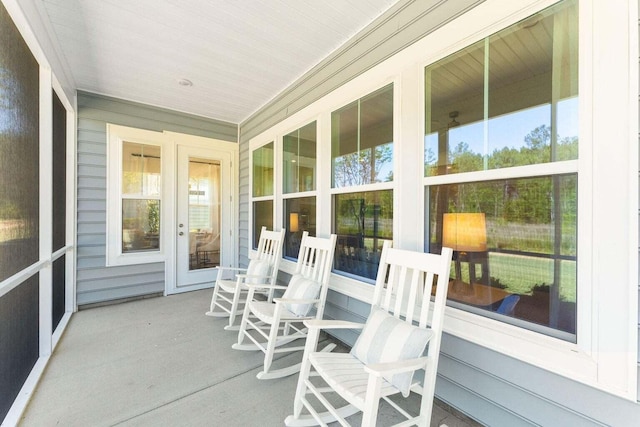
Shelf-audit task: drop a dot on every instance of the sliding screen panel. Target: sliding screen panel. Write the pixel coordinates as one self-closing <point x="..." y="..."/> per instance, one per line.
<point x="19" y="340"/>
<point x="19" y="151"/>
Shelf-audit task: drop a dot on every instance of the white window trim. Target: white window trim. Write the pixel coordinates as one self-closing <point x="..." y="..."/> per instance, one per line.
<point x="605" y="356"/>
<point x="116" y="135"/>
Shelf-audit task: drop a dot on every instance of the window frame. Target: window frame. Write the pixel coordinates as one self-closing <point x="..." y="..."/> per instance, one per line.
<point x="346" y="277"/>
<point x="555" y="354"/>
<point x="607" y="285"/>
<point x="277" y="175"/>
<point x="116" y="136"/>
<point x="279" y="185"/>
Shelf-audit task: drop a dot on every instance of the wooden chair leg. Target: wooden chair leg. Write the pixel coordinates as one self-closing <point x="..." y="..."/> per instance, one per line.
<point x="234" y="304"/>
<point x="245" y="317"/>
<point x="272" y="341"/>
<point x="305" y="370"/>
<point x="214" y="299"/>
<point x="372" y="402"/>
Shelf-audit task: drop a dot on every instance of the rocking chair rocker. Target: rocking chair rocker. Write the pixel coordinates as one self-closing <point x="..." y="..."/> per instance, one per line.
<point x="389" y="350"/>
<point x="262" y="269"/>
<point x="270" y="325"/>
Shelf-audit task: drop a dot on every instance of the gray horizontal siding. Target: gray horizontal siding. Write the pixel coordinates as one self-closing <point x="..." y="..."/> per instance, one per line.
<point x="243" y="203"/>
<point x="96" y="282"/>
<point x="485" y="385"/>
<point x="111" y="110"/>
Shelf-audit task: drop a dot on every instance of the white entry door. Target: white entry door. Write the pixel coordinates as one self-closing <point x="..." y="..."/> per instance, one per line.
<point x="204" y="215"/>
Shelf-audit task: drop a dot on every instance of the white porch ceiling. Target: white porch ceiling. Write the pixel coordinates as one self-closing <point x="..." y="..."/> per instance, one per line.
<point x="239" y="54"/>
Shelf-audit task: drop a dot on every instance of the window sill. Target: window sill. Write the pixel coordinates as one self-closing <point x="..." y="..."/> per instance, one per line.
<point x="114" y="260"/>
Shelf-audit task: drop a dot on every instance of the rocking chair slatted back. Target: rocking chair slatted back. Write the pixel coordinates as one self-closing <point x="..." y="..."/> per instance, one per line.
<point x="401" y="288"/>
<point x="269" y="246"/>
<point x="314" y="262"/>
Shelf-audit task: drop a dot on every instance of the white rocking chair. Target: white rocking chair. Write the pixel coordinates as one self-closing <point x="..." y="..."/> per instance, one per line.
<point x="262" y="269"/>
<point x="389" y="350"/>
<point x="270" y="325"/>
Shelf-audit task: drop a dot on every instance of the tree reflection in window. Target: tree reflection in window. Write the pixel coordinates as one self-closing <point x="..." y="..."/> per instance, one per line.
<point x="363" y="221"/>
<point x="362" y="140"/>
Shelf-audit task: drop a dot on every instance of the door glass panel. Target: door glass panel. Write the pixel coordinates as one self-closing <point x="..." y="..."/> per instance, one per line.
<point x="204" y="213"/>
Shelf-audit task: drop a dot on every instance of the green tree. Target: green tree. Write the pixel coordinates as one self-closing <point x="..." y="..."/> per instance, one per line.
<point x="362" y="167"/>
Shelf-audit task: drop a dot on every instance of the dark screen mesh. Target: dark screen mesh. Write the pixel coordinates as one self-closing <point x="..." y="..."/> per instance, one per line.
<point x="19" y="349"/>
<point x="58" y="291"/>
<point x="19" y="151"/>
<point x="59" y="172"/>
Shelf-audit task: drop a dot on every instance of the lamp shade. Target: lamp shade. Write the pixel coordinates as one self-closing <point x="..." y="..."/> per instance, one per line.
<point x="465" y="232"/>
<point x="293" y="223"/>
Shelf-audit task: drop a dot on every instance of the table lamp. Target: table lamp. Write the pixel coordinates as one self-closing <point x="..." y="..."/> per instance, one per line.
<point x="464" y="232"/>
<point x="293" y="222"/>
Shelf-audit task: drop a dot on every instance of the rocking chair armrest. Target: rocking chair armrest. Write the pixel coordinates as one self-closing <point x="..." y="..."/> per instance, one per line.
<point x="397" y="367"/>
<point x="244" y="277"/>
<point x="294" y="301"/>
<point x="264" y="286"/>
<point x="223" y="268"/>
<point x="332" y="324"/>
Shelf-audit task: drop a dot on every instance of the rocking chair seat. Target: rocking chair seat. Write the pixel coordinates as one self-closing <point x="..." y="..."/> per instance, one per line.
<point x="230" y="295"/>
<point x="265" y="311"/>
<point x="232" y="285"/>
<point x="346" y="375"/>
<point x="228" y="285"/>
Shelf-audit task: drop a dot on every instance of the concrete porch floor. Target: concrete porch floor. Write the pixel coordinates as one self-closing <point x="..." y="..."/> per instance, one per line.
<point x="162" y="362"/>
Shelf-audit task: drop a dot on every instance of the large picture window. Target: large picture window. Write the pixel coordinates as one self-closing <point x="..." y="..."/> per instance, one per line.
<point x="362" y="154"/>
<point x="508" y="101"/>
